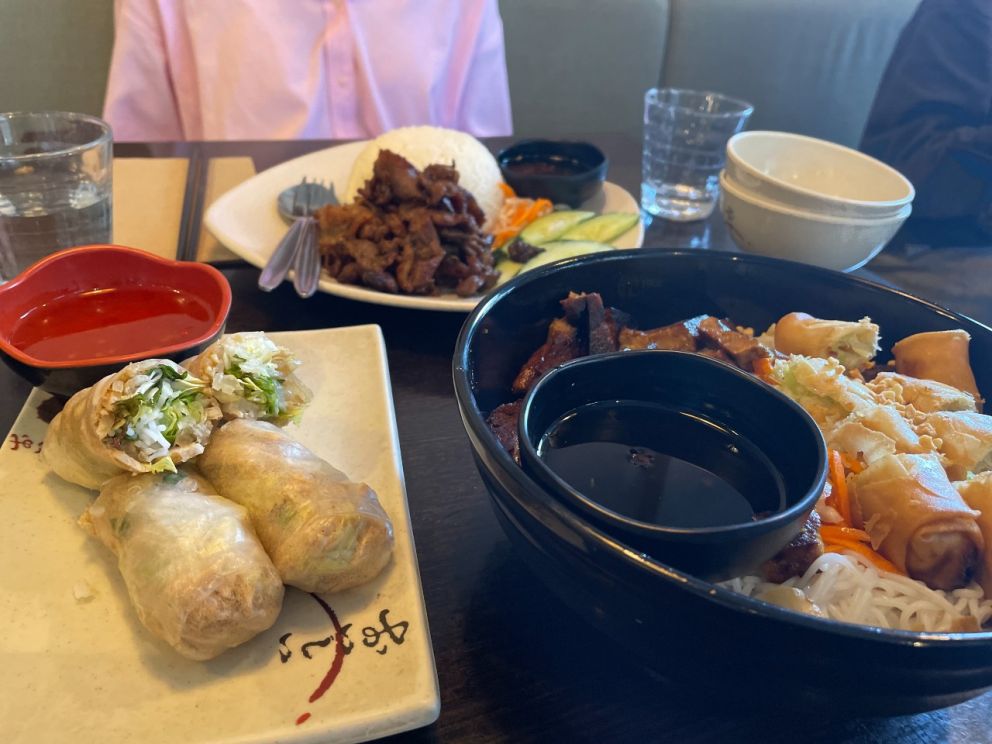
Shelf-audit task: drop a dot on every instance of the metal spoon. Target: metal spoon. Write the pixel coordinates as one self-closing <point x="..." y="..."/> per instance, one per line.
<point x="304" y="199"/>
<point x="298" y="247"/>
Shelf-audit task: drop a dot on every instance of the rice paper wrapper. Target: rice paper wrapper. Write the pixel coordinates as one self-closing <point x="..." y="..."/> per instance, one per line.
<point x="925" y="396"/>
<point x="854" y="344"/>
<point x="977" y="493"/>
<point x="76" y="445"/>
<point x="965" y="441"/>
<point x="197" y="575"/>
<point x="917" y="520"/>
<point x="213" y="365"/>
<point x="323" y="531"/>
<point x="942" y="356"/>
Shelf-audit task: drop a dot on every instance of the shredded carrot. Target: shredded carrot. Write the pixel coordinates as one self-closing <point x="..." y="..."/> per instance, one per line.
<point x="834" y="533"/>
<point x="837" y="479"/>
<point x="515" y="215"/>
<point x="851" y="462"/>
<point x="502" y="236"/>
<point x="507" y="190"/>
<point x="879" y="561"/>
<point x="763" y="367"/>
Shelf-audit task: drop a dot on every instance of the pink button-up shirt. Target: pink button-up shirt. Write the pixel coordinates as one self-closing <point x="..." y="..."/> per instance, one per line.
<point x="273" y="69"/>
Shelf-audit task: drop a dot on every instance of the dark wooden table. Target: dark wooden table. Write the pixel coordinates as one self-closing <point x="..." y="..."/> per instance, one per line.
<point x="514" y="664"/>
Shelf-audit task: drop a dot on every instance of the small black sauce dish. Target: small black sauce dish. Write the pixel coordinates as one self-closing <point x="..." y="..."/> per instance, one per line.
<point x="564" y="172"/>
<point x="682" y="456"/>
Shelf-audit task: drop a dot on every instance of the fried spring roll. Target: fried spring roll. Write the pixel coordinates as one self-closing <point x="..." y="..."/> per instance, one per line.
<point x="323" y="531"/>
<point x="926" y="396"/>
<point x="940" y="356"/>
<point x="965" y="441"/>
<point x="977" y="493"/>
<point x="196" y="574"/>
<point x="145" y="418"/>
<point x="853" y="344"/>
<point x="252" y="377"/>
<point x="917" y="520"/>
<point x="822" y="388"/>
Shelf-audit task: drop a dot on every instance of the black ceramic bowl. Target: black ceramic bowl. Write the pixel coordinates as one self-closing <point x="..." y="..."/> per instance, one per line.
<point x="683" y="627"/>
<point x="58" y="316"/>
<point x="564" y="172"/>
<point x="785" y="477"/>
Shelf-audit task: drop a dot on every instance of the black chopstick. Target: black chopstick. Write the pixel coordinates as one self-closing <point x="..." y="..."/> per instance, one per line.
<point x="189" y="223"/>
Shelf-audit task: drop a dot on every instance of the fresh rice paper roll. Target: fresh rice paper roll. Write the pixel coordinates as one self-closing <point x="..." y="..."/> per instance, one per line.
<point x="323" y="531"/>
<point x="145" y="418"/>
<point x="917" y="520"/>
<point x="977" y="493"/>
<point x="853" y="344"/>
<point x="252" y="377"/>
<point x="196" y="574"/>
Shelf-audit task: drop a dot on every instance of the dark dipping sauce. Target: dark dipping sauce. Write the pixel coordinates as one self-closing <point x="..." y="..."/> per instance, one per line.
<point x="662" y="466"/>
<point x="110" y="322"/>
<point x="549" y="167"/>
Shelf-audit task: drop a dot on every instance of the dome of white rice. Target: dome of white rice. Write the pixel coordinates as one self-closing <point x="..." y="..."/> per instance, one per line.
<point x="477" y="168"/>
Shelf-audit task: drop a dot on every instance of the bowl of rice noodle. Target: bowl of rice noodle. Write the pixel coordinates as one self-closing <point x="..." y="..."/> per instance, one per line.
<point x="883" y="604"/>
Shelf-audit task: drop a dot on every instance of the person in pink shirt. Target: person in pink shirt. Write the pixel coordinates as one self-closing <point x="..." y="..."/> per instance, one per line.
<point x="319" y="69"/>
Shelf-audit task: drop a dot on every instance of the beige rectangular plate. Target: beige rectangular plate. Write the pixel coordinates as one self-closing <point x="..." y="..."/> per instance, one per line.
<point x="340" y="668"/>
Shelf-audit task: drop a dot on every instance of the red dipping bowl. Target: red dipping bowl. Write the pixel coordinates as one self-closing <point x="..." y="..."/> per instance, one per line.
<point x="82" y="313"/>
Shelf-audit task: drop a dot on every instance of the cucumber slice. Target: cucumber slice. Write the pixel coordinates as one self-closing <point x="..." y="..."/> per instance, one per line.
<point x="602" y="229"/>
<point x="551" y="226"/>
<point x="507" y="270"/>
<point x="564" y="249"/>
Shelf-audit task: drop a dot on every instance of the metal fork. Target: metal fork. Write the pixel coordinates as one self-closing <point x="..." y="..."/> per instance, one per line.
<point x="298" y="248"/>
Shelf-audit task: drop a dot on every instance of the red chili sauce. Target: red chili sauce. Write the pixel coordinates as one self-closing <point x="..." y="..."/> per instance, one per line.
<point x="552" y="167"/>
<point x="110" y="322"/>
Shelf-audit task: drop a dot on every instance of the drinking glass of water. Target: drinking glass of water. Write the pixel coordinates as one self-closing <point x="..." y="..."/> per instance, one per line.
<point x="685" y="140"/>
<point x="56" y="183"/>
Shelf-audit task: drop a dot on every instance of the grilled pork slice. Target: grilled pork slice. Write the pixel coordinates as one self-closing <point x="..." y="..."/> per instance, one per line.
<point x="798" y="555"/>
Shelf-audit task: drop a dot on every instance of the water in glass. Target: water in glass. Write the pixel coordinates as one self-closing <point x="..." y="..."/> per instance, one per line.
<point x="55" y="186"/>
<point x="685" y="136"/>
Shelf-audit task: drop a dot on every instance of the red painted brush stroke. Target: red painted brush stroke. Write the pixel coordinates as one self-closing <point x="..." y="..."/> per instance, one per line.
<point x="336" y="663"/>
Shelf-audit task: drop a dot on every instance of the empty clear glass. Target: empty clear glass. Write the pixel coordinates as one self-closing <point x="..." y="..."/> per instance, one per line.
<point x="56" y="185"/>
<point x="685" y="139"/>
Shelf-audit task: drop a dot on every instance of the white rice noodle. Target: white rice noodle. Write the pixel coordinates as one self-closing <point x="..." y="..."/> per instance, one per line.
<point x="851" y="590"/>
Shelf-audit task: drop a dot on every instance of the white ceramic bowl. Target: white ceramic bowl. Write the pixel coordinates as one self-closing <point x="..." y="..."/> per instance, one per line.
<point x="769" y="229"/>
<point x="815" y="175"/>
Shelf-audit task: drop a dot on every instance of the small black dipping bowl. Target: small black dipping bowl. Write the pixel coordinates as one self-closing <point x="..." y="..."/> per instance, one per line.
<point x="789" y="445"/>
<point x="564" y="172"/>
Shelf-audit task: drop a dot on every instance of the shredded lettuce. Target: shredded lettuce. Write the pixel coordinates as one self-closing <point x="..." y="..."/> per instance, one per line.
<point x="265" y="390"/>
<point x="165" y="403"/>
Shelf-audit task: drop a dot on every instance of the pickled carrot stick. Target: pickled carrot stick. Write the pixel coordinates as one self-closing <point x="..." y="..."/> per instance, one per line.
<point x="834" y="533"/>
<point x="839" y="482"/>
<point x="877" y="560"/>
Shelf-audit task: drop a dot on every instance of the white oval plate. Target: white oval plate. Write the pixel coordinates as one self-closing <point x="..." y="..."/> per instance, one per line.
<point x="245" y="220"/>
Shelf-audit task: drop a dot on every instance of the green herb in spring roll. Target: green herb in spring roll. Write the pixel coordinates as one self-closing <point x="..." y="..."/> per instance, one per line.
<point x="196" y="574"/>
<point x="822" y="388"/>
<point x="323" y="531"/>
<point x="252" y="377"/>
<point x="143" y="419"/>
